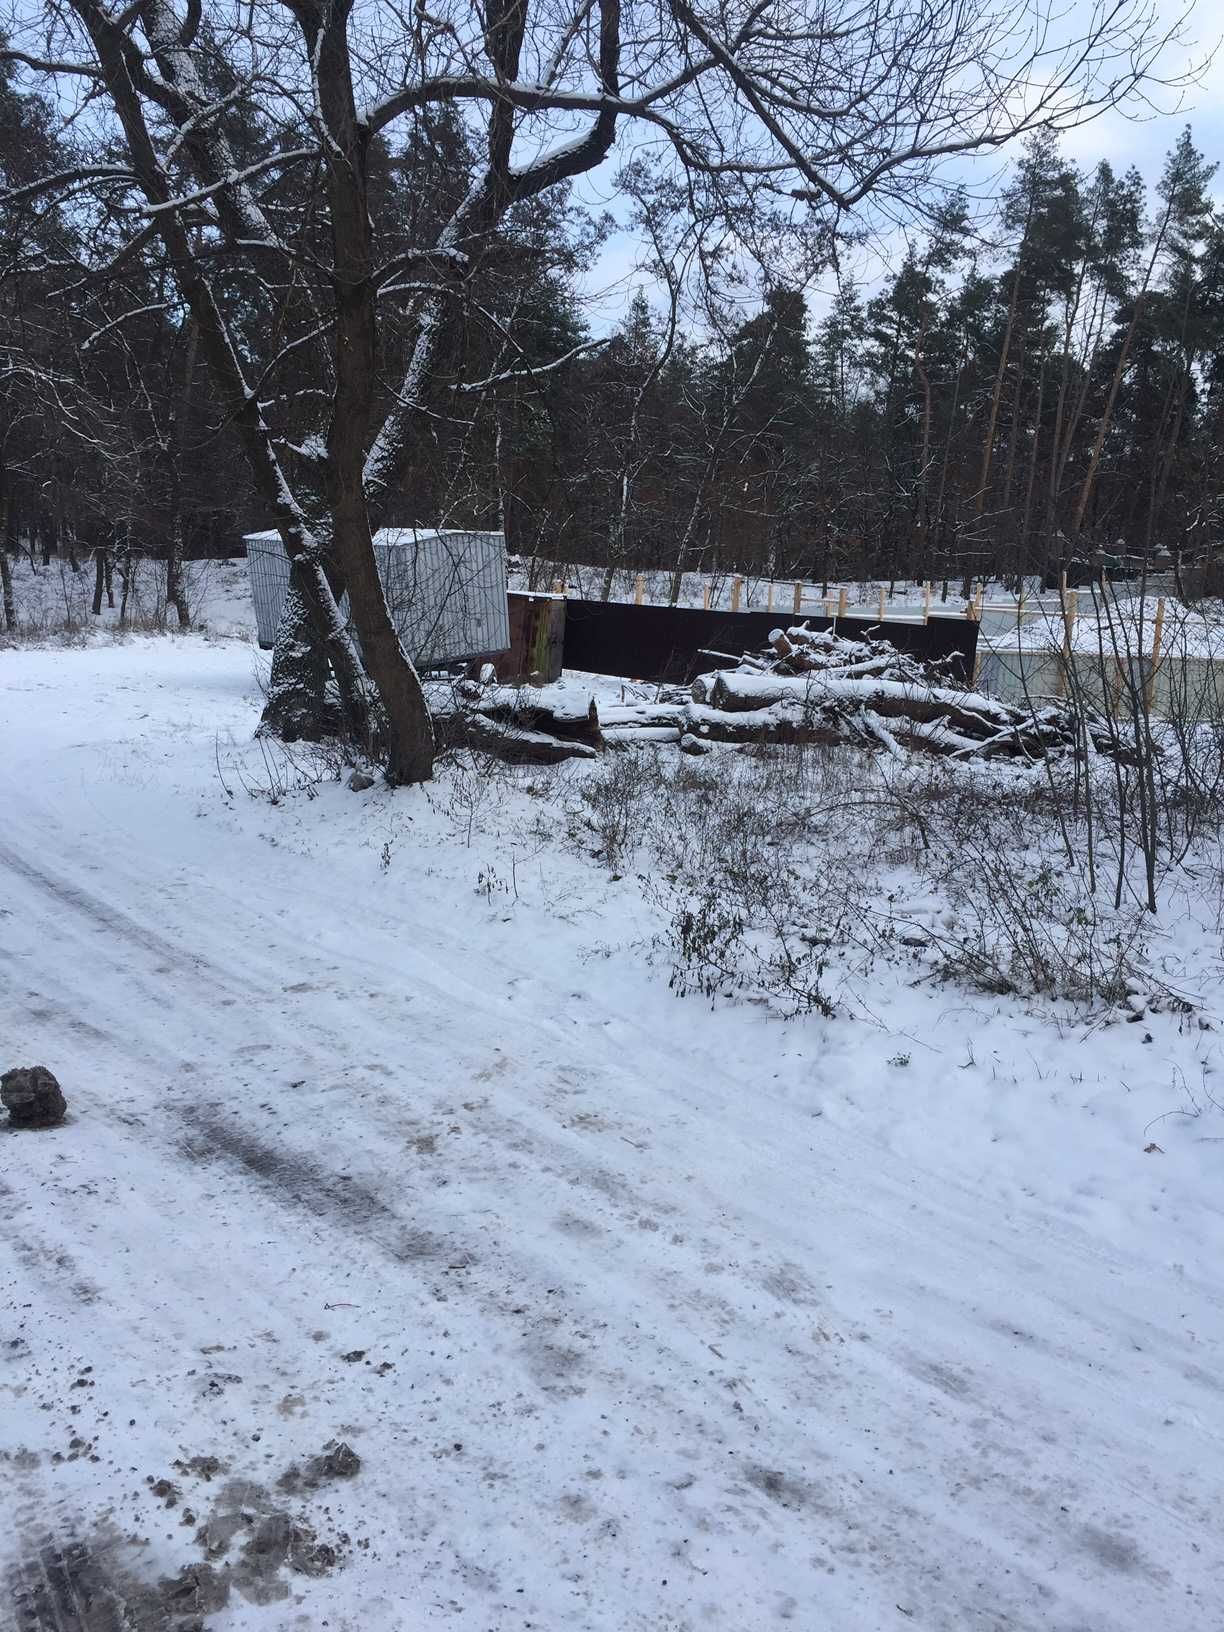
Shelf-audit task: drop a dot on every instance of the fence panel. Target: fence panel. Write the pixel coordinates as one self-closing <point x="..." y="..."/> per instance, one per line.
<point x="673" y="643"/>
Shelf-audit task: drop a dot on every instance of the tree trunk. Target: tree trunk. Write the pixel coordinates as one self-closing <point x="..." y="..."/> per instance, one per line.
<point x="1071" y="308"/>
<point x="99" y="581"/>
<point x="6" y="573"/>
<point x="941" y="520"/>
<point x="1097" y="320"/>
<point x="1166" y="464"/>
<point x="314" y="615"/>
<point x="409" y="735"/>
<point x="1014" y="438"/>
<point x="176" y="595"/>
<point x="1111" y="397"/>
<point x="298" y="706"/>
<point x="12" y="527"/>
<point x="997" y="394"/>
<point x="921" y="511"/>
<point x="1025" y="556"/>
<point x="6" y="585"/>
<point x="1163" y="467"/>
<point x="685" y="546"/>
<point x="408" y="732"/>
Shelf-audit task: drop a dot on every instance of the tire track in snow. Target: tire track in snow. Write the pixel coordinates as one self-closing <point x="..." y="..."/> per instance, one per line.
<point x="558" y="1364"/>
<point x="61" y="1584"/>
<point x="949" y="1219"/>
<point x="777" y="1491"/>
<point x="112" y="921"/>
<point x="296" y="1179"/>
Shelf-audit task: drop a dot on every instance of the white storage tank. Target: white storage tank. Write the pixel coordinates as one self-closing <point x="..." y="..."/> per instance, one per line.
<point x="445" y="589"/>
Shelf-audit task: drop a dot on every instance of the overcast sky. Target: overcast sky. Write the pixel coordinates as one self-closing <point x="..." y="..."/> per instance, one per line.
<point x="1143" y="139"/>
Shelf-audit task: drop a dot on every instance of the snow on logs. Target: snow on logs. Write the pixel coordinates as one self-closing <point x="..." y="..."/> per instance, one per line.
<point x="527" y="726"/>
<point x="810" y="687"/>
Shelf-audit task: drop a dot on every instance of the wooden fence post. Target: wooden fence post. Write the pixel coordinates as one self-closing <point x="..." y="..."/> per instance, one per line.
<point x="737" y="585"/>
<point x="639" y="590"/>
<point x="1070" y="611"/>
<point x="769" y="597"/>
<point x="1157" y="639"/>
<point x="882" y="599"/>
<point x="798" y="599"/>
<point x="705" y="596"/>
<point x="841" y="603"/>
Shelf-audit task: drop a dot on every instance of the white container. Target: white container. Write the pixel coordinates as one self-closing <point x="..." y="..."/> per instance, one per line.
<point x="445" y="589"/>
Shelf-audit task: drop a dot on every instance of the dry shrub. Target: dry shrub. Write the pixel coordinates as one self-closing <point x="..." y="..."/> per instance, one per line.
<point x="779" y="873"/>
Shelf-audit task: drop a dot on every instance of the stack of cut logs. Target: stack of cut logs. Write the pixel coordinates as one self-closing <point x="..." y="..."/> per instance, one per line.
<point x="808" y="687"/>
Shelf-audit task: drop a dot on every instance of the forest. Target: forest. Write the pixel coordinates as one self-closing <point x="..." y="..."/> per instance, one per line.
<point x="1034" y="382"/>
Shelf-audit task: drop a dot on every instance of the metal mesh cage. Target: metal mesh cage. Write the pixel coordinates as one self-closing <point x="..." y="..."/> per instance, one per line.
<point x="445" y="589"/>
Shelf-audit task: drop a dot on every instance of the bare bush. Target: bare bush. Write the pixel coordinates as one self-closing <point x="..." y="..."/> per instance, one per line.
<point x="729" y="869"/>
<point x="783" y="874"/>
<point x="285" y="769"/>
<point x="1036" y="931"/>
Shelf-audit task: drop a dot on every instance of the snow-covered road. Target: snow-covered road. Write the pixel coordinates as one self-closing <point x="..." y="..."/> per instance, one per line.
<point x="626" y="1332"/>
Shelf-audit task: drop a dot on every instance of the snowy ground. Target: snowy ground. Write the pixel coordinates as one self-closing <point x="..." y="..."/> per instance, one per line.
<point x="384" y="1129"/>
<point x="55" y="599"/>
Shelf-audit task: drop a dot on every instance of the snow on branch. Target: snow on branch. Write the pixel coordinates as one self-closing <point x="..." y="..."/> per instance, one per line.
<point x="233" y="178"/>
<point x="532" y="371"/>
<point x="91" y="340"/>
<point x="63" y="180"/>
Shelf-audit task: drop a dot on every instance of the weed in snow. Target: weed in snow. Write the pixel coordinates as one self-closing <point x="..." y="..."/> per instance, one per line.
<point x="786" y="874"/>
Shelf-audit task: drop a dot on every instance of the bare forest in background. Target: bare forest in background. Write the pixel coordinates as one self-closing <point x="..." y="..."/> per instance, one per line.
<point x="999" y="406"/>
<point x="321" y="268"/>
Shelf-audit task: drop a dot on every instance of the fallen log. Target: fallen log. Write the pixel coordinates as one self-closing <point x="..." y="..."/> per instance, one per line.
<point x="568" y="726"/>
<point x="635" y="715"/>
<point x="551" y="712"/>
<point x="628" y="736"/>
<point x="801" y="650"/>
<point x="570" y="718"/>
<point x="776" y="724"/>
<point x="554" y="713"/>
<point x="983" y="724"/>
<point x="733" y="691"/>
<point x="515" y="744"/>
